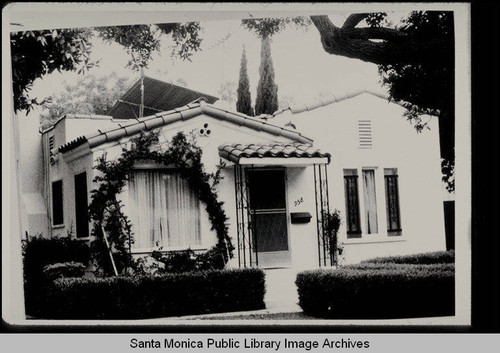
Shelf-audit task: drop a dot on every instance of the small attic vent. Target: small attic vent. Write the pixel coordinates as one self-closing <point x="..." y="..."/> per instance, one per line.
<point x="51" y="143"/>
<point x="365" y="134"/>
<point x="51" y="147"/>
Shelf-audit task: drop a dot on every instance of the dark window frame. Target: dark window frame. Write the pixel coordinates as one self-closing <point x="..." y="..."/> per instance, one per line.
<point x="57" y="203"/>
<point x="353" y="220"/>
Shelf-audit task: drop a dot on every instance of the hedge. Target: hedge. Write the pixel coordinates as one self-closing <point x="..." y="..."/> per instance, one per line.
<point x="378" y="291"/>
<point x="65" y="269"/>
<point x="40" y="252"/>
<point x="418" y="259"/>
<point x="397" y="266"/>
<point x="139" y="297"/>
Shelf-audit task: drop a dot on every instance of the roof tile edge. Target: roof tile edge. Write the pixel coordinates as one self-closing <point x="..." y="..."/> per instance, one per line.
<point x="183" y="113"/>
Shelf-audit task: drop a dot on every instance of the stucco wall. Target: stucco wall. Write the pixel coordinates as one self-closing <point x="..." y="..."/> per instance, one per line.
<point x="301" y="198"/>
<point x="34" y="219"/>
<point x="396" y="144"/>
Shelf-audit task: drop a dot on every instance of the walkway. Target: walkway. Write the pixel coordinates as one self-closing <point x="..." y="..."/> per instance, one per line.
<point x="281" y="291"/>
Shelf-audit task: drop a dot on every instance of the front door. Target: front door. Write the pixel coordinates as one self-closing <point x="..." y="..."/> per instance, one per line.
<point x="269" y="217"/>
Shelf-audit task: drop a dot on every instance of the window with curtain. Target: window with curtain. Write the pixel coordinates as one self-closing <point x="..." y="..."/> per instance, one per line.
<point x="392" y="201"/>
<point x="164" y="210"/>
<point x="352" y="203"/>
<point x="370" y="201"/>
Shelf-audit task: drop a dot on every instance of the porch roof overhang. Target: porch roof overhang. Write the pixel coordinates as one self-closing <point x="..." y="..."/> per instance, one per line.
<point x="287" y="154"/>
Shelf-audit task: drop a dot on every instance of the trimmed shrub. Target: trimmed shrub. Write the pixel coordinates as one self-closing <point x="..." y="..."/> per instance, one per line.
<point x="378" y="291"/>
<point x="39" y="252"/>
<point x="418" y="259"/>
<point x="65" y="269"/>
<point x="400" y="266"/>
<point x="140" y="297"/>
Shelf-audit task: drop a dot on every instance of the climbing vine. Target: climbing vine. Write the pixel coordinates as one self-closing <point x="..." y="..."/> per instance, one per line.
<point x="106" y="210"/>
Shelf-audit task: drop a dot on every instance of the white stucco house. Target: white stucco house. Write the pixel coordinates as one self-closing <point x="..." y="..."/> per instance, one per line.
<point x="384" y="177"/>
<point x="355" y="153"/>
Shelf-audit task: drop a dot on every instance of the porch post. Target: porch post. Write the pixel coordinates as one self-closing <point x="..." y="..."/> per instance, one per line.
<point x="322" y="206"/>
<point x="318" y="230"/>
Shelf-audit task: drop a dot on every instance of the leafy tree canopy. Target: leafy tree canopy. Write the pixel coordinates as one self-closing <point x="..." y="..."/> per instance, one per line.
<point x="38" y="53"/>
<point x="89" y="95"/>
<point x="227" y="93"/>
<point x="267" y="27"/>
<point x="415" y="58"/>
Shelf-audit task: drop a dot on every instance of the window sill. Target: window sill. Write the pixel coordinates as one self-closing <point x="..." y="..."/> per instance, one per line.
<point x="82" y="238"/>
<point x="386" y="239"/>
<point x="58" y="226"/>
<point x="141" y="251"/>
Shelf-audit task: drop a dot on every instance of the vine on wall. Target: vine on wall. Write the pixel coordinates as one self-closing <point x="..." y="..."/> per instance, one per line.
<point x="107" y="211"/>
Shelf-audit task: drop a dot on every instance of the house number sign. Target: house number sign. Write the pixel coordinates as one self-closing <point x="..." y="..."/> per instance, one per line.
<point x="298" y="201"/>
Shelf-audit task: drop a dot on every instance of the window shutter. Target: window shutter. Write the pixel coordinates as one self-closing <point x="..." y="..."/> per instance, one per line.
<point x="352" y="203"/>
<point x="392" y="202"/>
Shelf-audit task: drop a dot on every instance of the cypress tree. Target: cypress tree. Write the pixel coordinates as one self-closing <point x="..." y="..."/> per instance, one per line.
<point x="244" y="101"/>
<point x="267" y="90"/>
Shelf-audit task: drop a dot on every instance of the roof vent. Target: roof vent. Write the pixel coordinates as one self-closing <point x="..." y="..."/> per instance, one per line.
<point x="365" y="134"/>
<point x="51" y="147"/>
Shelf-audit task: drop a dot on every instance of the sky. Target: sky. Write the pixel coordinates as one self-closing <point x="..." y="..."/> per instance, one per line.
<point x="303" y="70"/>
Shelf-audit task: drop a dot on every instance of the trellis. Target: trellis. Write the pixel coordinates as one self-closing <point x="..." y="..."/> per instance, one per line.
<point x="326" y="247"/>
<point x="247" y="241"/>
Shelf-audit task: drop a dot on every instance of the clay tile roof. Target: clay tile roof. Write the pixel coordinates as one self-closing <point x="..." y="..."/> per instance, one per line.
<point x="233" y="152"/>
<point x="182" y="113"/>
<point x="335" y="98"/>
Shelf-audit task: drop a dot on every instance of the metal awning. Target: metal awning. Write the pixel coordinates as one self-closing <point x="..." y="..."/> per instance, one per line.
<point x="273" y="154"/>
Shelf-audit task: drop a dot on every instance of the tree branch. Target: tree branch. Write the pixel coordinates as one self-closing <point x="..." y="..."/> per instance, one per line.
<point x="323" y="24"/>
<point x="354" y="19"/>
<point x="396" y="48"/>
<point x="372" y="33"/>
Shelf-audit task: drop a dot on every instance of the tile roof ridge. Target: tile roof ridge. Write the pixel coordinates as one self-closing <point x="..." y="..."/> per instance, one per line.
<point x="333" y="98"/>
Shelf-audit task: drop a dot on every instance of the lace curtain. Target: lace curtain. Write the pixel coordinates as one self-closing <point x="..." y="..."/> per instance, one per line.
<point x="370" y="201"/>
<point x="164" y="211"/>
